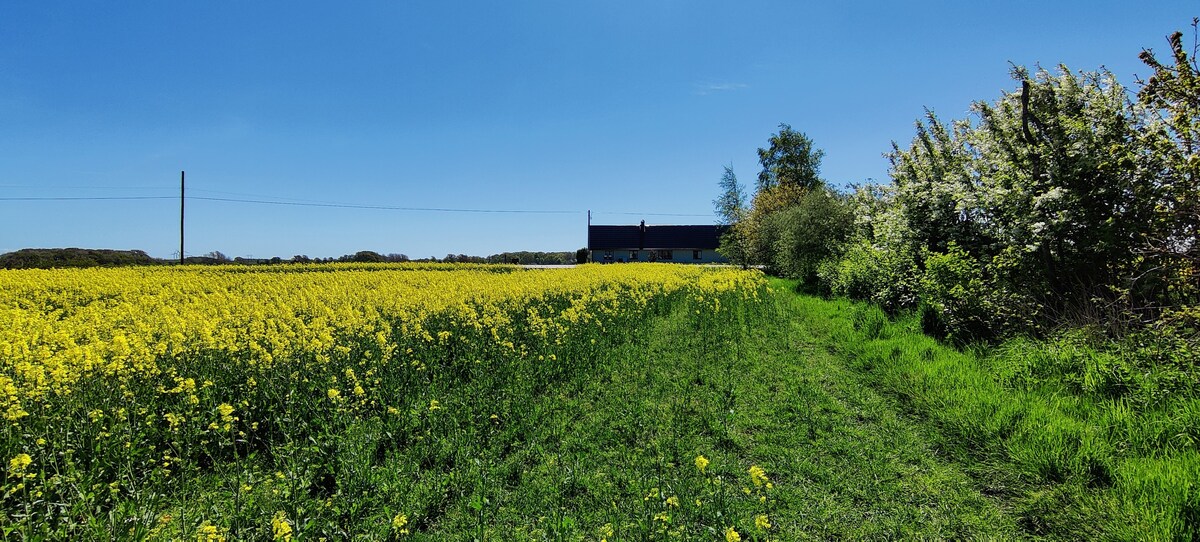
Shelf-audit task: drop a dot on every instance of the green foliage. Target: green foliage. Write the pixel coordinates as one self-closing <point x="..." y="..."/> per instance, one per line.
<point x="789" y="161"/>
<point x="731" y="205"/>
<point x="1170" y="102"/>
<point x="783" y="230"/>
<point x="807" y="233"/>
<point x="731" y="210"/>
<point x="48" y="258"/>
<point x="364" y="256"/>
<point x="868" y="272"/>
<point x="1043" y="209"/>
<point x="535" y="258"/>
<point x="1077" y="436"/>
<point x="953" y="297"/>
<point x="878" y="263"/>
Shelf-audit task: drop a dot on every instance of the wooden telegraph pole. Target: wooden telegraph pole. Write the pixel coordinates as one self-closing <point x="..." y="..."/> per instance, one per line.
<point x="181" y="177"/>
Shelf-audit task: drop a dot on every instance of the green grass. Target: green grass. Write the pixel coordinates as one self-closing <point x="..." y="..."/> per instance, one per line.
<point x="1035" y="426"/>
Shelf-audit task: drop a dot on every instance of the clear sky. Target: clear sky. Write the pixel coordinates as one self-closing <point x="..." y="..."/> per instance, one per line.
<point x="629" y="109"/>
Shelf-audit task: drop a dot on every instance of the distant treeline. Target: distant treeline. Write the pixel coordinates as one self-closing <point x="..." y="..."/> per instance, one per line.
<point x="46" y="258"/>
<point x="50" y="258"/>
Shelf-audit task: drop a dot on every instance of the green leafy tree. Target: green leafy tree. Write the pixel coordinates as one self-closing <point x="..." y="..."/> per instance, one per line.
<point x="731" y="209"/>
<point x="790" y="160"/>
<point x="731" y="205"/>
<point x="1171" y="104"/>
<point x="809" y="233"/>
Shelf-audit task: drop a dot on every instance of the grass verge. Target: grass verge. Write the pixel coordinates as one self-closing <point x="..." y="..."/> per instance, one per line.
<point x="1033" y="425"/>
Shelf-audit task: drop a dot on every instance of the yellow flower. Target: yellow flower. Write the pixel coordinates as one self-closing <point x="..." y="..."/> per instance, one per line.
<point x="701" y="462"/>
<point x="18" y="464"/>
<point x="731" y="535"/>
<point x="761" y="522"/>
<point x="174" y="420"/>
<point x="758" y="475"/>
<point x="673" y="501"/>
<point x="399" y="522"/>
<point x="209" y="533"/>
<point x="333" y="394"/>
<point x="225" y="410"/>
<point x="433" y="405"/>
<point x="280" y="528"/>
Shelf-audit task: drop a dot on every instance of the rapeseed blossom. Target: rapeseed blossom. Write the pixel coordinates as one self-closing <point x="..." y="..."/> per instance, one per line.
<point x="280" y="528"/>
<point x="209" y="533"/>
<point x="758" y="476"/>
<point x="701" y="462"/>
<point x="18" y="464"/>
<point x="399" y="521"/>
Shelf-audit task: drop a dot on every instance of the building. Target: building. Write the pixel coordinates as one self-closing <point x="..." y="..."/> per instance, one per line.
<point x="642" y="243"/>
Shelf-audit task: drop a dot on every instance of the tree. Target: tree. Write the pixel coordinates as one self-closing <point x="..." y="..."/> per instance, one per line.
<point x="758" y="231"/>
<point x="809" y="233"/>
<point x="1171" y="102"/>
<point x="730" y="208"/>
<point x="1046" y="191"/>
<point x="363" y="256"/>
<point x="731" y="205"/>
<point x="789" y="161"/>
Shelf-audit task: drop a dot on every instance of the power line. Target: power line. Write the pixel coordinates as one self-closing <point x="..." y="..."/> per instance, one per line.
<point x="649" y="214"/>
<point x="383" y="207"/>
<point x="262" y="196"/>
<point x="84" y="198"/>
<point x="90" y="187"/>
<point x="265" y="200"/>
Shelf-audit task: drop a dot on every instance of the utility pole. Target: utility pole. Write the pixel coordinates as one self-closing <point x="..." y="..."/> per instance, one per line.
<point x="589" y="235"/>
<point x="181" y="178"/>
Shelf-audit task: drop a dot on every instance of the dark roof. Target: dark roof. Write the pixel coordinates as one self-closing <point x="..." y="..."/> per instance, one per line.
<point x="654" y="237"/>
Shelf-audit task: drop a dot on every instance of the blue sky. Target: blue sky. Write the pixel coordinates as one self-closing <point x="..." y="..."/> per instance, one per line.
<point x="624" y="108"/>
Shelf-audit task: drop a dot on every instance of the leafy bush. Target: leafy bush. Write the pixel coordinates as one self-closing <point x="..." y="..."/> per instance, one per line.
<point x="871" y="273"/>
<point x="809" y="232"/>
<point x="953" y="301"/>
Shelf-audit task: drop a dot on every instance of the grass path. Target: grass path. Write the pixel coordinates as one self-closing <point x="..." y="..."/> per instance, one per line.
<point x="611" y="453"/>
